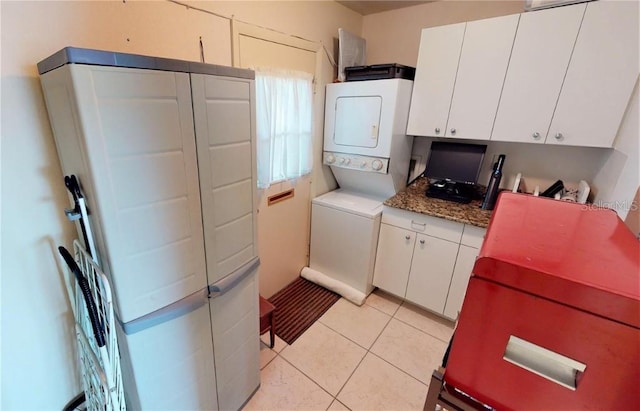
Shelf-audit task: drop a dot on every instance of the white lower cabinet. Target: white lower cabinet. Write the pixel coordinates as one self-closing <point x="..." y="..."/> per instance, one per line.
<point x="464" y="264"/>
<point x="422" y="267"/>
<point x="393" y="259"/>
<point x="431" y="270"/>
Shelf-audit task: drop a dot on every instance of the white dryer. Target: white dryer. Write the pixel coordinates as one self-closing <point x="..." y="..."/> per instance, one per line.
<point x="366" y="146"/>
<point x="365" y="140"/>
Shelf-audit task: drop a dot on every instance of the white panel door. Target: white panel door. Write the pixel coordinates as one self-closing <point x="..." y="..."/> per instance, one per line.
<point x="435" y="77"/>
<point x="138" y="135"/>
<point x="483" y="64"/>
<point x="283" y="228"/>
<point x="461" y="273"/>
<point x="601" y="76"/>
<point x="226" y="157"/>
<point x="357" y="121"/>
<point x="538" y="64"/>
<point x="393" y="260"/>
<point x="431" y="271"/>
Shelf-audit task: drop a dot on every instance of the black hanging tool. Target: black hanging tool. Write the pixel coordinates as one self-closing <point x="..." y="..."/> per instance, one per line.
<point x="79" y="211"/>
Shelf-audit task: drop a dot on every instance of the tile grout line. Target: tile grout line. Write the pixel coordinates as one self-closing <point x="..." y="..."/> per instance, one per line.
<point x="390" y="363"/>
<point x="368" y="350"/>
<point x="310" y="379"/>
<point x="392" y="317"/>
<point x="413" y="326"/>
<point x="400" y="369"/>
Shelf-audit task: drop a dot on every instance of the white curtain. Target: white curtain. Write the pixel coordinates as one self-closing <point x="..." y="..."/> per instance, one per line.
<point x="283" y="125"/>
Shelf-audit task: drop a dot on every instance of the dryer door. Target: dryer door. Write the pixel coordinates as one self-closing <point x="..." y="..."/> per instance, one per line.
<point x="357" y="121"/>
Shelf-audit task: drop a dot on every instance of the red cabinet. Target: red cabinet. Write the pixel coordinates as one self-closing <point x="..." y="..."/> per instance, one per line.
<point x="552" y="312"/>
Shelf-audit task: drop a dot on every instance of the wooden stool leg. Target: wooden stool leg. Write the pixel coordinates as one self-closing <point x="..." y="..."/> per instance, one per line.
<point x="433" y="394"/>
<point x="271" y="334"/>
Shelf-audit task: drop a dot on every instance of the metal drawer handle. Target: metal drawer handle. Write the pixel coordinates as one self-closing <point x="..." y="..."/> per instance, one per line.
<point x="543" y="362"/>
<point x="418" y="226"/>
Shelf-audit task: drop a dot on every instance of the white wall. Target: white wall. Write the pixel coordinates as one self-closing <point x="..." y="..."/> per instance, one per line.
<point x="394" y="36"/>
<point x="540" y="164"/>
<point x="37" y="354"/>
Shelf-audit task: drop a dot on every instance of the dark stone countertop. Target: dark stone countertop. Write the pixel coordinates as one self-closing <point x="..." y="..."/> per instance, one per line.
<point x="413" y="198"/>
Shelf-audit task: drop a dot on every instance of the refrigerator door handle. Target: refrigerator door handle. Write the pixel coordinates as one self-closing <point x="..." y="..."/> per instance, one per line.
<point x="222" y="286"/>
<point x="167" y="313"/>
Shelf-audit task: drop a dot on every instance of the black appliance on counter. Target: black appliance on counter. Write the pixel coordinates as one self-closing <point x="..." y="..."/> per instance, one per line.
<point x="455" y="168"/>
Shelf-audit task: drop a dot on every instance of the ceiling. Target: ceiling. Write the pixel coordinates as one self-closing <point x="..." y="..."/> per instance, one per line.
<point x="370" y="7"/>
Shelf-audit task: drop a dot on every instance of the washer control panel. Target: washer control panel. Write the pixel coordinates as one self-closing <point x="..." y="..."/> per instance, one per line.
<point x="356" y="162"/>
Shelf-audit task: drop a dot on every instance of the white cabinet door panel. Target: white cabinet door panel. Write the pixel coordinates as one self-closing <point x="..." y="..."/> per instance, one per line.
<point x="431" y="271"/>
<point x="473" y="236"/>
<point x="464" y="265"/>
<point x="222" y="113"/>
<point x="393" y="260"/>
<point x="601" y="76"/>
<point x="538" y="64"/>
<point x="234" y="321"/>
<point x="483" y="64"/>
<point x="141" y="179"/>
<point x="435" y="77"/>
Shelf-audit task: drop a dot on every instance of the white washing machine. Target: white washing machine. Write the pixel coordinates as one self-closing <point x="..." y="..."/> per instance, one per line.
<point x="366" y="146"/>
<point x="344" y="237"/>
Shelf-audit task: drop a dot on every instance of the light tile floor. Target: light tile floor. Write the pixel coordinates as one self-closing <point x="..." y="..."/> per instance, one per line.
<point x="375" y="357"/>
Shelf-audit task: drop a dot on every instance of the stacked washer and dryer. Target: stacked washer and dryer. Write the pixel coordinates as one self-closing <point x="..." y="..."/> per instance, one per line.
<point x="366" y="146"/>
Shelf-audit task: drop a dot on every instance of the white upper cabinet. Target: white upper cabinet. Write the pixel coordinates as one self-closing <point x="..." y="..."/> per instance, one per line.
<point x="435" y="77"/>
<point x="539" y="61"/>
<point x="483" y="63"/>
<point x="601" y="76"/>
<point x="566" y="79"/>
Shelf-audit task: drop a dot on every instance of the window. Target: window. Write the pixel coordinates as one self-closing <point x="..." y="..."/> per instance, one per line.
<point x="283" y="125"/>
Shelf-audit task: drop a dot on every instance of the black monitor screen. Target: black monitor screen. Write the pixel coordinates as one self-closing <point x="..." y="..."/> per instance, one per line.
<point x="454" y="161"/>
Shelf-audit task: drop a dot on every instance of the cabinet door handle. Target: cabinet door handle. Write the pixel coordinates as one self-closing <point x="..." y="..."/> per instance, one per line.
<point x="453" y="131"/>
<point x="536" y="135"/>
<point x="437" y="130"/>
<point x="422" y="242"/>
<point x="407" y="237"/>
<point x="558" y="136"/>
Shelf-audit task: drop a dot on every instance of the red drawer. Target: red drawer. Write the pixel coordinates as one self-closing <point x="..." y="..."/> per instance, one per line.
<point x="493" y="313"/>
